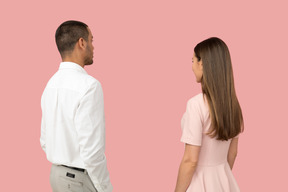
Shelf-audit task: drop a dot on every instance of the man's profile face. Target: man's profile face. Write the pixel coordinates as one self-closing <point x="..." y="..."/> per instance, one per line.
<point x="89" y="49"/>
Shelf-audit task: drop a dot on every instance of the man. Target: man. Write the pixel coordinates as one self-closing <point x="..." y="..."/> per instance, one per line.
<point x="73" y="127"/>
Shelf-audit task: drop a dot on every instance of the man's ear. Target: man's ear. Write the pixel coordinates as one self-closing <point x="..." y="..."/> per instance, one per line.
<point x="82" y="43"/>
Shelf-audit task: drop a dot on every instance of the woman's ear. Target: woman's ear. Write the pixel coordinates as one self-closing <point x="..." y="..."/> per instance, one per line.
<point x="200" y="65"/>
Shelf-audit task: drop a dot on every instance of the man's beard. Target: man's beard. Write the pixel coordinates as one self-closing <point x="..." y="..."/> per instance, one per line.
<point x="88" y="61"/>
<point x="89" y="58"/>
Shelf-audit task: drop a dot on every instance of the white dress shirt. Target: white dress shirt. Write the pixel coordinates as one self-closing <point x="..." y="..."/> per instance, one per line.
<point x="73" y="124"/>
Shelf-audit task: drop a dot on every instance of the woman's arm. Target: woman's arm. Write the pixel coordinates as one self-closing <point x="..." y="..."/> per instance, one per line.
<point x="232" y="153"/>
<point x="187" y="167"/>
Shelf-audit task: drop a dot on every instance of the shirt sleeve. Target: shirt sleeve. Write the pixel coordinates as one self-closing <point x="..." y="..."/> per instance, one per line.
<point x="191" y="124"/>
<point x="43" y="130"/>
<point x="90" y="127"/>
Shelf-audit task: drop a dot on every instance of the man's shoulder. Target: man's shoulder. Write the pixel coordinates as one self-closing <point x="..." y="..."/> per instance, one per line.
<point x="90" y="80"/>
<point x="72" y="80"/>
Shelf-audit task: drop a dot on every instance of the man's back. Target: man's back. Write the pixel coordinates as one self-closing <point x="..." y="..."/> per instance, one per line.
<point x="73" y="127"/>
<point x="59" y="102"/>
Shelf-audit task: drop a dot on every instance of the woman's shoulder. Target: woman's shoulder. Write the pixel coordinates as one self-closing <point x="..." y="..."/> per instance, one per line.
<point x="196" y="100"/>
<point x="198" y="104"/>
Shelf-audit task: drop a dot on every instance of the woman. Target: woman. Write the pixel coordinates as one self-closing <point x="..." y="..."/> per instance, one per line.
<point x="211" y="123"/>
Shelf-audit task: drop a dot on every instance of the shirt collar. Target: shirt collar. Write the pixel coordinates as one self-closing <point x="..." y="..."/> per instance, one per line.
<point x="71" y="65"/>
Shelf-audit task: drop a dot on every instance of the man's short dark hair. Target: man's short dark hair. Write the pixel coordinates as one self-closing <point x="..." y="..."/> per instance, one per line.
<point x="68" y="33"/>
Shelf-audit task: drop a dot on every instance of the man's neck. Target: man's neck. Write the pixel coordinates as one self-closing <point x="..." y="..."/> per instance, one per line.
<point x="77" y="61"/>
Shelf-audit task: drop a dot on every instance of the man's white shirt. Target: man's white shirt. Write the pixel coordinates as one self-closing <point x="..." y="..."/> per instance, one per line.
<point x="73" y="124"/>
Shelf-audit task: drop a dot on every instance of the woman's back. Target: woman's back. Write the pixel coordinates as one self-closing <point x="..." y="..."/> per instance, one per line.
<point x="213" y="172"/>
<point x="211" y="123"/>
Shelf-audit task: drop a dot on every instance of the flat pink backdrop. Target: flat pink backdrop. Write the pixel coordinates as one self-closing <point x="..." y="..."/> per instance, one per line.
<point x="143" y="52"/>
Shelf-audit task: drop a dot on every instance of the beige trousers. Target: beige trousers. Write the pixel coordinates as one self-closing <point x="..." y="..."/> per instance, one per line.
<point x="64" y="179"/>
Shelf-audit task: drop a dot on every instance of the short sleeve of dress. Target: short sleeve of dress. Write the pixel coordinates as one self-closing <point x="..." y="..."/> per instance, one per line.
<point x="191" y="124"/>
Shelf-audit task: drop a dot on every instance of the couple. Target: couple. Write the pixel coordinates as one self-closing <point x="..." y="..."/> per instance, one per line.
<point x="73" y="126"/>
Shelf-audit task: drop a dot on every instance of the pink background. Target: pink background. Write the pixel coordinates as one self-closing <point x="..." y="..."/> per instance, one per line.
<point x="142" y="57"/>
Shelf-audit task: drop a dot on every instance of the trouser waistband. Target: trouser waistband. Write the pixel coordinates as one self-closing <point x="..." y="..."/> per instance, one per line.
<point x="76" y="168"/>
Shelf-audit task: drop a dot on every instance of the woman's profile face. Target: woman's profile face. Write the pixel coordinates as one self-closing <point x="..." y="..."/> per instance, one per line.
<point x="197" y="68"/>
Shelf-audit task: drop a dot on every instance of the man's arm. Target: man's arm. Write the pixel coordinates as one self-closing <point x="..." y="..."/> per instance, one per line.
<point x="90" y="127"/>
<point x="43" y="131"/>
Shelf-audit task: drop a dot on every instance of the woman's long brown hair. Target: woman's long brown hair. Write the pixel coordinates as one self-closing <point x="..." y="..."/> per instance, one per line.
<point x="218" y="87"/>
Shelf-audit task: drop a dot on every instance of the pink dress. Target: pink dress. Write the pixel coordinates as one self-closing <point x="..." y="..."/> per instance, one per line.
<point x="213" y="173"/>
